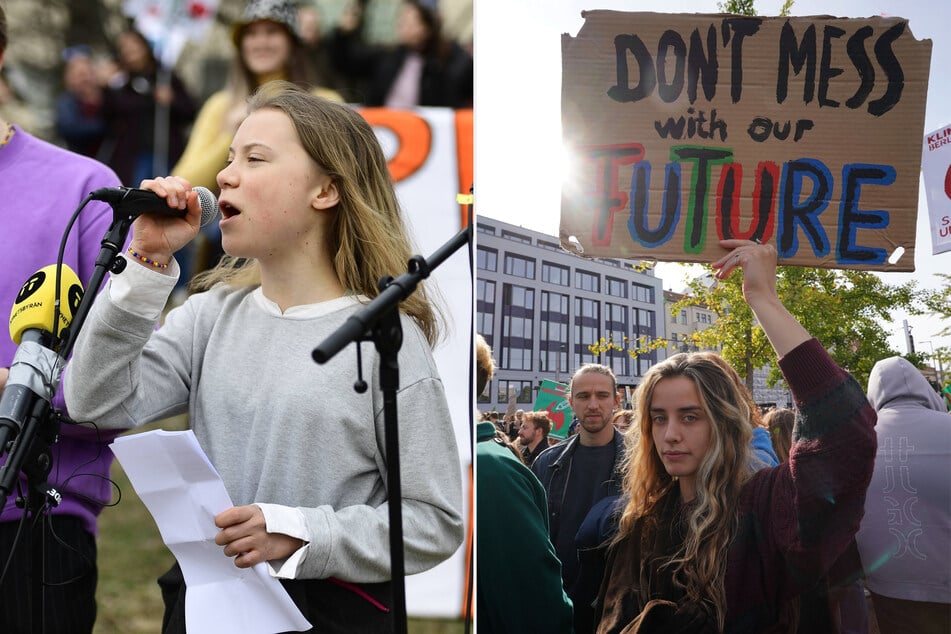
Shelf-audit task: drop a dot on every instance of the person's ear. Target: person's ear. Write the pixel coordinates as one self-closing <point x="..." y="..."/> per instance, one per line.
<point x="326" y="195"/>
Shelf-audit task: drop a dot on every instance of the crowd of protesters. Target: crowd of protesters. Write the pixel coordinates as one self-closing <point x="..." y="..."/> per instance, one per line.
<point x="694" y="511"/>
<point x="110" y="102"/>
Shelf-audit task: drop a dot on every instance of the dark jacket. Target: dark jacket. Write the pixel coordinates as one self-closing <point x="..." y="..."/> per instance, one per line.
<point x="553" y="468"/>
<point x="530" y="456"/>
<point x="510" y="516"/>
<point x="447" y="79"/>
<point x="129" y="110"/>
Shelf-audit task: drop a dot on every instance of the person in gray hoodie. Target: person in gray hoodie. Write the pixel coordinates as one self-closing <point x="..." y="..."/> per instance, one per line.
<point x="905" y="537"/>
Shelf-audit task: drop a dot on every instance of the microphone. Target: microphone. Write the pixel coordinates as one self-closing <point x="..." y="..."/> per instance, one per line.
<point x="33" y="307"/>
<point x="135" y="202"/>
<point x="36" y="369"/>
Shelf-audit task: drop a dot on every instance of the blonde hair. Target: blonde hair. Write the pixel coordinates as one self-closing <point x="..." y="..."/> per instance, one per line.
<point x="756" y="418"/>
<point x="368" y="237"/>
<point x="699" y="565"/>
<point x="780" y="422"/>
<point x="485" y="364"/>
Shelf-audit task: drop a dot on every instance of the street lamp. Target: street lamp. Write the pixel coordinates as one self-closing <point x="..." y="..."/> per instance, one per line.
<point x="940" y="369"/>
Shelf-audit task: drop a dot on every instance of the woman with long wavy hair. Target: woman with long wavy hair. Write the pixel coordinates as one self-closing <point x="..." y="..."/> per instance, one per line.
<point x="706" y="542"/>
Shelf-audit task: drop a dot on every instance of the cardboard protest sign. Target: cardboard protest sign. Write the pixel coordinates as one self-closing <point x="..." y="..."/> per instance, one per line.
<point x="685" y="129"/>
<point x="936" y="170"/>
<point x="553" y="398"/>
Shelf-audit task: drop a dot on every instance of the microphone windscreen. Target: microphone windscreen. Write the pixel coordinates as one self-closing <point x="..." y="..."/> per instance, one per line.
<point x="209" y="205"/>
<point x="35" y="303"/>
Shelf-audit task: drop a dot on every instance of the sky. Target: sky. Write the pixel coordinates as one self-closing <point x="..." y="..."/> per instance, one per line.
<point x="518" y="100"/>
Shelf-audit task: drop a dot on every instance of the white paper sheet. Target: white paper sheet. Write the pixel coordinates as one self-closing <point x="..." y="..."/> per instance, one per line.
<point x="183" y="491"/>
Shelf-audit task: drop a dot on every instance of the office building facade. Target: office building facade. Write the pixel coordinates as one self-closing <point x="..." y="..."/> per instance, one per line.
<point x="544" y="311"/>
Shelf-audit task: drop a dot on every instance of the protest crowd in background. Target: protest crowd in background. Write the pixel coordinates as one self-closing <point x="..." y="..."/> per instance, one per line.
<point x="95" y="92"/>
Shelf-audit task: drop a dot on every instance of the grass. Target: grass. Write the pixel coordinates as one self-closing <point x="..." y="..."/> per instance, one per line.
<point x="132" y="556"/>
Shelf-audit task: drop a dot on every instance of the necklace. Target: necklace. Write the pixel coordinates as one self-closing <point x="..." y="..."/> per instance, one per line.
<point x="8" y="135"/>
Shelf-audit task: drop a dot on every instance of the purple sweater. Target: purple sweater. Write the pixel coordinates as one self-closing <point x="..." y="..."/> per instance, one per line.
<point x="43" y="186"/>
<point x="794" y="520"/>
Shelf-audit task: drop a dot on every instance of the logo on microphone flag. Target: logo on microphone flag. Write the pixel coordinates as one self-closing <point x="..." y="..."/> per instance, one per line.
<point x="553" y="398"/>
<point x="35" y="303"/>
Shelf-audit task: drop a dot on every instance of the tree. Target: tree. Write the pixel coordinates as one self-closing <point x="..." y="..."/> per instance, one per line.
<point x="938" y="302"/>
<point x="745" y="7"/>
<point x="739" y="7"/>
<point x="843" y="309"/>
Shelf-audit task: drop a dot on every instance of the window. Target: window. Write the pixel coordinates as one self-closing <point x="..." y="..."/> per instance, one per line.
<point x="521" y="390"/>
<point x="519" y="266"/>
<point x="615" y="323"/>
<point x="587" y="328"/>
<point x="643" y="293"/>
<point x="683" y="316"/>
<point x="619" y="361"/>
<point x="481" y="227"/>
<point x="485" y="309"/>
<point x="616" y="287"/>
<point x="644" y="321"/>
<point x="644" y="328"/>
<point x="516" y="358"/>
<point x="644" y="363"/>
<point x="587" y="281"/>
<point x="518" y="318"/>
<point x="485" y="327"/>
<point x="553" y="333"/>
<point x="517" y="237"/>
<point x="487" y="259"/>
<point x="486" y="396"/>
<point x="615" y="318"/>
<point x="551" y="246"/>
<point x="555" y="273"/>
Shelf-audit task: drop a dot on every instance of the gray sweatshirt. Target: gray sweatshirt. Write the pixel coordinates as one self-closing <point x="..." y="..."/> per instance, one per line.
<point x="279" y="428"/>
<point x="905" y="538"/>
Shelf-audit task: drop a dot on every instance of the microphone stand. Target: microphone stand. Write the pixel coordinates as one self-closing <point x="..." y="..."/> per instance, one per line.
<point x="107" y="261"/>
<point x="379" y="322"/>
<point x="31" y="450"/>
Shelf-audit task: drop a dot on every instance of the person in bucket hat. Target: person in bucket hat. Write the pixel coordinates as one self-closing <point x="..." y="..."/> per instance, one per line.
<point x="267" y="48"/>
<point x="280" y="12"/>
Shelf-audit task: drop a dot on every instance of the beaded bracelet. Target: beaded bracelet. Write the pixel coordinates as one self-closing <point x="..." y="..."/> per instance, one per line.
<point x="145" y="260"/>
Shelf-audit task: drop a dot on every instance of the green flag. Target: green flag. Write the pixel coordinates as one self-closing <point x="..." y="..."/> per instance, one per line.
<point x="553" y="398"/>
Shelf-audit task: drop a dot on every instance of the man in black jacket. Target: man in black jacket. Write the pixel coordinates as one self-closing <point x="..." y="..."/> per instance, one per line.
<point x="580" y="472"/>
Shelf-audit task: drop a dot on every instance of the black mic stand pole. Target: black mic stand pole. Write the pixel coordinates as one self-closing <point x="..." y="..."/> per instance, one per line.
<point x="107" y="261"/>
<point x="31" y="450"/>
<point x="379" y="322"/>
